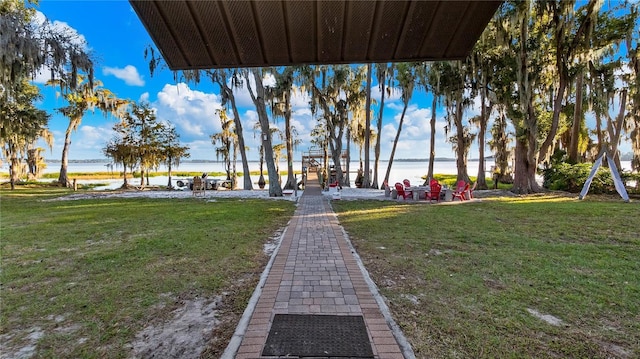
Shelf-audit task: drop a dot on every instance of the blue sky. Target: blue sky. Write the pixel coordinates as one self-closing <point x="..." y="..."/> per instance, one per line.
<point x="117" y="39"/>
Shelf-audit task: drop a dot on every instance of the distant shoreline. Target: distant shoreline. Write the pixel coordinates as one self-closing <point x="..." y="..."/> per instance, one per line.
<point x="442" y="159"/>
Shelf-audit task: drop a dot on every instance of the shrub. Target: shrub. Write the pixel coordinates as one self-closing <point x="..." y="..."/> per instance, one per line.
<point x="566" y="177"/>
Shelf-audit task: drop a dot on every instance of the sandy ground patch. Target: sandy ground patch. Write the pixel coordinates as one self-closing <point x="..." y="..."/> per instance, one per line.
<point x="185" y="335"/>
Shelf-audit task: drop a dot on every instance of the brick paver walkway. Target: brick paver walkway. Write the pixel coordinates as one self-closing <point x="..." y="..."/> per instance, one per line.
<point x="314" y="272"/>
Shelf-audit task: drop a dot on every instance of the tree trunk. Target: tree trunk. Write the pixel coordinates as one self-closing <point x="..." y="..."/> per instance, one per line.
<point x="378" y="138"/>
<point x="12" y="180"/>
<point x="234" y="179"/>
<point x="63" y="179"/>
<point x="563" y="74"/>
<point x="32" y="158"/>
<point x="521" y="181"/>
<point x="599" y="132"/>
<point x="227" y="162"/>
<point x="124" y="175"/>
<point x="258" y="99"/>
<point x="347" y="178"/>
<point x="525" y="163"/>
<point x="366" y="182"/>
<point x="577" y="122"/>
<point x="461" y="149"/>
<point x="545" y="147"/>
<point x="291" y="181"/>
<point x="14" y="167"/>
<point x="169" y="174"/>
<point x="335" y="144"/>
<point x="261" y="181"/>
<point x="432" y="142"/>
<point x="481" y="181"/>
<point x="142" y="172"/>
<point x="395" y="144"/>
<point x="246" y="174"/>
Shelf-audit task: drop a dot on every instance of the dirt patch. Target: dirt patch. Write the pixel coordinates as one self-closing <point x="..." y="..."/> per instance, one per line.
<point x="615" y="350"/>
<point x="493" y="284"/>
<point x="26" y="348"/>
<point x="183" y="336"/>
<point x="550" y="319"/>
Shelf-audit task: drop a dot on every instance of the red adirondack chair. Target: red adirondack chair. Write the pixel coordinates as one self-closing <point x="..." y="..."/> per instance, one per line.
<point x="434" y="191"/>
<point x="401" y="191"/>
<point x="461" y="189"/>
<point x="472" y="189"/>
<point x="407" y="184"/>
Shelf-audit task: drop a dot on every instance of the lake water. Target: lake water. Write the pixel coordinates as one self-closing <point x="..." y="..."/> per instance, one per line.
<point x="411" y="170"/>
<point x="399" y="170"/>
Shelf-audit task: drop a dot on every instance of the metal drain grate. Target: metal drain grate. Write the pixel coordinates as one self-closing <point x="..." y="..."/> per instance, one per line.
<point x="334" y="336"/>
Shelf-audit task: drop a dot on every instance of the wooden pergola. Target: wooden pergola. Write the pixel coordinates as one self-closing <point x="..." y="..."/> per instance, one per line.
<point x="248" y="33"/>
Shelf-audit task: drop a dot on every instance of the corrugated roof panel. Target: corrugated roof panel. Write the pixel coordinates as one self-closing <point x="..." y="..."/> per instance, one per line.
<point x="331" y="30"/>
<point x="157" y="28"/>
<point x="474" y="17"/>
<point x="416" y="27"/>
<point x="241" y="33"/>
<point x="271" y="22"/>
<point x="387" y="29"/>
<point x="242" y="24"/>
<point x="358" y="32"/>
<point x="446" y="21"/>
<point x="301" y="21"/>
<point x="217" y="39"/>
<point x="186" y="32"/>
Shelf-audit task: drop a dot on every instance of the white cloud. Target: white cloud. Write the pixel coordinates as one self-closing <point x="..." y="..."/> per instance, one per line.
<point x="394" y="106"/>
<point x="201" y="149"/>
<point x="91" y="137"/>
<point x="60" y="27"/>
<point x="144" y="97"/>
<point x="43" y="75"/>
<point x="269" y="80"/>
<point x="250" y="117"/>
<point x="416" y="121"/>
<point x="302" y="121"/>
<point x="300" y="100"/>
<point x="243" y="98"/>
<point x="86" y="143"/>
<point x="129" y="74"/>
<point x="192" y="112"/>
<point x="391" y="96"/>
<point x="388" y="133"/>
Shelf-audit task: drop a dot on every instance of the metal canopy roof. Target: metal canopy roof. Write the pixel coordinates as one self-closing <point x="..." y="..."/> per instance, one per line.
<point x="244" y="33"/>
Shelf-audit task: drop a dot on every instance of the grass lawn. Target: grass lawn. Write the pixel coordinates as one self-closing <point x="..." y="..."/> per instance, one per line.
<point x="489" y="279"/>
<point x="81" y="278"/>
